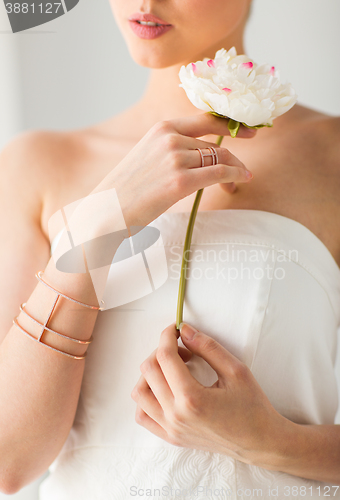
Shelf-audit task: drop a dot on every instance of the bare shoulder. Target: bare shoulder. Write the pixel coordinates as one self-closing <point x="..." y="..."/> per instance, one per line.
<point x="318" y="134"/>
<point x="45" y="169"/>
<point x="332" y="129"/>
<point x="327" y="136"/>
<point x="28" y="161"/>
<point x="45" y="149"/>
<point x="28" y="165"/>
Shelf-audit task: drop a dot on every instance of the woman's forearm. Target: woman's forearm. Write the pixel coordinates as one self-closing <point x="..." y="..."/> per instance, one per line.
<point x="308" y="451"/>
<point x="39" y="388"/>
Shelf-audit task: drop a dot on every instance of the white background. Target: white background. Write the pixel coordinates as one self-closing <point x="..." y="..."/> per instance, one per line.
<point x="76" y="70"/>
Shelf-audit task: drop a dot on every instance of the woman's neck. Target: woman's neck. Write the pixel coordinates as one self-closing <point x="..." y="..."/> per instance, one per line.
<point x="163" y="99"/>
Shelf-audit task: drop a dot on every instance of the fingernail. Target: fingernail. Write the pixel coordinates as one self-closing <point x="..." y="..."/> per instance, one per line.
<point x="249" y="175"/>
<point x="188" y="332"/>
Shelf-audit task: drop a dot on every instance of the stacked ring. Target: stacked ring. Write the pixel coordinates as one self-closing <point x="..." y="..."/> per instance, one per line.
<point x="212" y="154"/>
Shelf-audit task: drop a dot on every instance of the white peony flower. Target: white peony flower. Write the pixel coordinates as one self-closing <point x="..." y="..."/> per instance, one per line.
<point x="235" y="87"/>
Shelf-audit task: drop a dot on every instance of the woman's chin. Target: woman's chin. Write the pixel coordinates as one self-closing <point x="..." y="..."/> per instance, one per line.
<point x="151" y="62"/>
<point x="152" y="58"/>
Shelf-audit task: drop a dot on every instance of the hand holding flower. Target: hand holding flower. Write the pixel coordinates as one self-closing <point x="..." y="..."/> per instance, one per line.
<point x="232" y="417"/>
<point x="164" y="167"/>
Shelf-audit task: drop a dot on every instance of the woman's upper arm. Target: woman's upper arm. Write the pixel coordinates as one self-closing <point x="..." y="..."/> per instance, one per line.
<point x="24" y="248"/>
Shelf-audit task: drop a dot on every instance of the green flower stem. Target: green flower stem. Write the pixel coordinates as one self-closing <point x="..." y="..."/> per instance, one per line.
<point x="233" y="127"/>
<point x="186" y="249"/>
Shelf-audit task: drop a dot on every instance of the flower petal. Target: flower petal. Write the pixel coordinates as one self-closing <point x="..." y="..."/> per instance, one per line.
<point x="234" y="86"/>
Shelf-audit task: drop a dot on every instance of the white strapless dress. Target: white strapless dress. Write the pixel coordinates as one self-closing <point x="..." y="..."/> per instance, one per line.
<point x="268" y="290"/>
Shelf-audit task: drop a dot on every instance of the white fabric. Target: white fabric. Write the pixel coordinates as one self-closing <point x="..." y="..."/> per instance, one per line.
<point x="284" y="328"/>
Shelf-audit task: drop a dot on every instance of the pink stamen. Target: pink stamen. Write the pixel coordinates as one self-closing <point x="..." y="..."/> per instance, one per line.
<point x="248" y="65"/>
<point x="272" y="71"/>
<point x="193" y="66"/>
<point x="227" y="90"/>
<point x="211" y="63"/>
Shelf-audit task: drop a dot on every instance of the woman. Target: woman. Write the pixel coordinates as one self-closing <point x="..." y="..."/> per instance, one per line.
<point x="269" y="342"/>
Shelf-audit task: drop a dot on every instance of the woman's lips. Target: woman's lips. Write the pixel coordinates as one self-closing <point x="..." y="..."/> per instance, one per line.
<point x="149" y="32"/>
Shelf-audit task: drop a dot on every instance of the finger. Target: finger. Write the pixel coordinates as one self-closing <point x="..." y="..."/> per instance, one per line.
<point x="224" y="156"/>
<point x="174" y="369"/>
<point x="146" y="421"/>
<point x="221" y="360"/>
<point x="156" y="381"/>
<point x="206" y="123"/>
<point x="197" y="178"/>
<point x="144" y="397"/>
<point x="191" y="158"/>
<point x="229" y="187"/>
<point x="182" y="351"/>
<point x="184" y="354"/>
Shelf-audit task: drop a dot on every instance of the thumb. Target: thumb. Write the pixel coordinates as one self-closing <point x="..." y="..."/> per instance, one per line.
<point x="222" y="361"/>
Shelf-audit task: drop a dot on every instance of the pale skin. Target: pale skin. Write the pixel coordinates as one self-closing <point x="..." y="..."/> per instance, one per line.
<point x="296" y="174"/>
